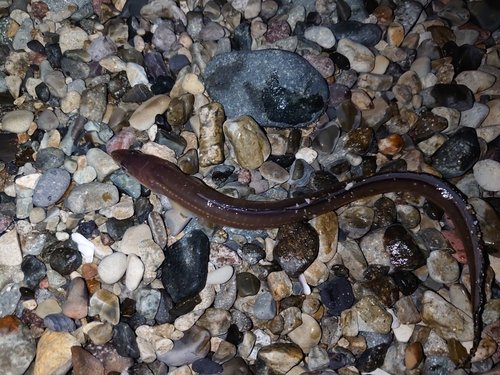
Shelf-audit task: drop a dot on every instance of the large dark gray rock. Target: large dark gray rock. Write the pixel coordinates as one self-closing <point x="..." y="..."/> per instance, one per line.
<point x="277" y="88"/>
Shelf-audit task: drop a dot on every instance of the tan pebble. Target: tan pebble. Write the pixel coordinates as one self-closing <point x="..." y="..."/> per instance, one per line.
<point x="391" y="145"/>
<point x="192" y="84"/>
<point x="395" y="34"/>
<point x="413" y="355"/>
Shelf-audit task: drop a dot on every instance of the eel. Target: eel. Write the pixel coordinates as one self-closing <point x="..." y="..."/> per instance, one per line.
<point x="165" y="178"/>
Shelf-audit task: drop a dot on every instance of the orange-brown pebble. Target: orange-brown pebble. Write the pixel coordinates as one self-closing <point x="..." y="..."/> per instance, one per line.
<point x="390" y="145"/>
<point x="8" y="324"/>
<point x="384" y="15"/>
<point x="89" y="270"/>
<point x="413" y="355"/>
<point x="93" y="286"/>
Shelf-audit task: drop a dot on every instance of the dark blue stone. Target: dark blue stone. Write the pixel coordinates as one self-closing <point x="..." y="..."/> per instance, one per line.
<point x="36" y="46"/>
<point x="177" y="62"/>
<point x="42" y="92"/>
<point x="372" y="358"/>
<point x="206" y="366"/>
<point x="242" y="38"/>
<point x="124" y="341"/>
<point x="337" y="295"/>
<point x="74" y="69"/>
<point x="184" y="272"/>
<point x="467" y="57"/>
<point x="59" y="323"/>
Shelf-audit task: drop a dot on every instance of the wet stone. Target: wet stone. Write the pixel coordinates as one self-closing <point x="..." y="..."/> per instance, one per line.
<point x="124" y="341"/>
<point x="278" y="358"/>
<point x="247" y="284"/>
<point x="184" y="272"/>
<point x="405" y="255"/>
<point x="372" y="358"/>
<point x="356" y="221"/>
<point x="106" y="305"/>
<point x="272" y="98"/>
<point x="458" y="154"/>
<point x="65" y="260"/>
<point x="337" y="295"/>
<point x="194" y="345"/>
<point x="297" y="248"/>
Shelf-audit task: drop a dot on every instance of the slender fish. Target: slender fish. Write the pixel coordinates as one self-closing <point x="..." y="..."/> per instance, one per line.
<point x="164" y="177"/>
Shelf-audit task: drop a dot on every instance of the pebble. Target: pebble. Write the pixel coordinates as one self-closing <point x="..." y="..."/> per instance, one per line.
<point x="112" y="268"/>
<point x="360" y="57"/>
<point x="76" y="303"/>
<point x="54" y="353"/>
<point x="487" y="174"/>
<point x="92" y="197"/>
<point x="278" y="358"/>
<point x="51" y="187"/>
<point x="17" y="121"/>
<point x="220" y="275"/>
<point x="192" y="346"/>
<point x="106" y="305"/>
<point x="10" y="249"/>
<point x="18" y="348"/>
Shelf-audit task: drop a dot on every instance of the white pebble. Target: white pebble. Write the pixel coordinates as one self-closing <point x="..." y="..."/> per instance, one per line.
<point x="85" y="247"/>
<point x="135" y="271"/>
<point x="220" y="275"/>
<point x="487" y="174"/>
<point x="305" y="286"/>
<point x="112" y="268"/>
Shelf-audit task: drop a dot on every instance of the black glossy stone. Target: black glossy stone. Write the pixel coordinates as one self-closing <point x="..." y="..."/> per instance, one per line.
<point x="86" y="228"/>
<point x="248" y="82"/>
<point x="406" y="281"/>
<point x="251" y="253"/>
<point x="117" y="228"/>
<point x="372" y="358"/>
<point x="340" y="60"/>
<point x="166" y="304"/>
<point x="172" y="141"/>
<point x="34" y="270"/>
<point x="118" y="85"/>
<point x="8" y="147"/>
<point x="124" y="341"/>
<point x="467" y="57"/>
<point x="234" y="336"/>
<point x="42" y="92"/>
<point x="138" y="93"/>
<point x="162" y="85"/>
<point x="337" y="295"/>
<point x="405" y="254"/>
<point x="142" y="208"/>
<point x="322" y="179"/>
<point x="385" y="213"/>
<point x="458" y="154"/>
<point x="36" y="46"/>
<point x="74" y="69"/>
<point x="184" y="272"/>
<point x="65" y="260"/>
<point x="385" y="289"/>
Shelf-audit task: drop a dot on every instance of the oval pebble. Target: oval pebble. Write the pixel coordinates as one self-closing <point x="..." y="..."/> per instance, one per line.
<point x="51" y="187"/>
<point x="17" y="121"/>
<point x="220" y="275"/>
<point x="112" y="268"/>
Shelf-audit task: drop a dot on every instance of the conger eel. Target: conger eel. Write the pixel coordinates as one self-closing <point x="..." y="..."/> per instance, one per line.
<point x="164" y="177"/>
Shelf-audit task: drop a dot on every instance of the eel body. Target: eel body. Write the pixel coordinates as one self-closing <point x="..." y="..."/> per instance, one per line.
<point x="165" y="178"/>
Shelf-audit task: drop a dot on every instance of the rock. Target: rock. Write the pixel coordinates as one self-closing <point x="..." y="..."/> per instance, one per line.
<point x="92" y="196"/>
<point x="184" y="272"/>
<point x="17" y="121"/>
<point x="85" y="363"/>
<point x="17" y="347"/>
<point x="360" y="57"/>
<point x="54" y="353"/>
<point x="271" y="97"/>
<point x="193" y="345"/>
<point x="77" y="299"/>
<point x="51" y="187"/>
<point x="10" y="249"/>
<point x="307" y="335"/>
<point x="112" y="268"/>
<point x="144" y="116"/>
<point x="278" y="358"/>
